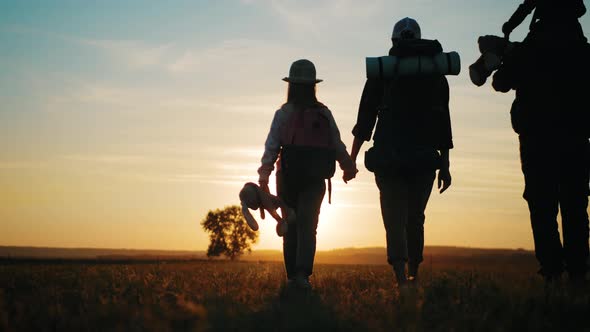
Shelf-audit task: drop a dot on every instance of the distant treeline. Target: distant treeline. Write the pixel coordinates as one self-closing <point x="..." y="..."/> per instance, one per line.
<point x="82" y="253"/>
<point x="434" y="256"/>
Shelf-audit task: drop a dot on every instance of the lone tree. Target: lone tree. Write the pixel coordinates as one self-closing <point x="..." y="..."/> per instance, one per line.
<point x="229" y="235"/>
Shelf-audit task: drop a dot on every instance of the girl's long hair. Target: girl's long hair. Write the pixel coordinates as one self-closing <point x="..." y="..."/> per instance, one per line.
<point x="302" y="95"/>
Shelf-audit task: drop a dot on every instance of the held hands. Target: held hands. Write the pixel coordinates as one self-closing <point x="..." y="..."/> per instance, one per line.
<point x="349" y="174"/>
<point x="444" y="179"/>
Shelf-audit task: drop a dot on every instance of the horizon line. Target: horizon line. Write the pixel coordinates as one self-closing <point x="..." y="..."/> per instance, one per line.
<point x="254" y="250"/>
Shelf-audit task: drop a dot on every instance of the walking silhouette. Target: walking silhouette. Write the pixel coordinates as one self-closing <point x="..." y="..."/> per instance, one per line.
<point x="411" y="141"/>
<point x="550" y="74"/>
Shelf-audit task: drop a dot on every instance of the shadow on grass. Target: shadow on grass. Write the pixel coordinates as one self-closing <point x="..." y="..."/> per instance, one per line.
<point x="253" y="297"/>
<point x="291" y="309"/>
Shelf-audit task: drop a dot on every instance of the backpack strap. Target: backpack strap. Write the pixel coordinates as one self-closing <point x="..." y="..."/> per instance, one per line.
<point x="387" y="87"/>
<point x="295" y="120"/>
<point x="330" y="191"/>
<point x="386" y="97"/>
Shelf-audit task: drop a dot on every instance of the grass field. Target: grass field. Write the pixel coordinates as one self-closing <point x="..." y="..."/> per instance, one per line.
<point x="251" y="296"/>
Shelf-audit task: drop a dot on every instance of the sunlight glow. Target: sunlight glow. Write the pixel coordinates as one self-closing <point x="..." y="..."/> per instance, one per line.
<point x="115" y="134"/>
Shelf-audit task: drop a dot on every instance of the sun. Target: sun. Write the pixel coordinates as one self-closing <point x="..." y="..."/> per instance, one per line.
<point x="330" y="221"/>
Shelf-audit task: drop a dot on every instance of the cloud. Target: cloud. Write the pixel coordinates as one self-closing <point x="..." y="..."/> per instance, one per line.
<point x="313" y="17"/>
<point x="297" y="19"/>
<point x="114" y="98"/>
<point x="246" y="152"/>
<point x="20" y="165"/>
<point x="252" y="60"/>
<point x="232" y="56"/>
<point x="137" y="168"/>
<point x="226" y="180"/>
<point x="134" y="53"/>
<point x="123" y="98"/>
<point x="108" y="159"/>
<point x="105" y="94"/>
<point x="244" y="57"/>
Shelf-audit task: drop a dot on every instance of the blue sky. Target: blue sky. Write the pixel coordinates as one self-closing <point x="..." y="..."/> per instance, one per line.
<point x="123" y="122"/>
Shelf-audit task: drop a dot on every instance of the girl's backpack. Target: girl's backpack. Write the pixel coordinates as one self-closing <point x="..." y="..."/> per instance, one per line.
<point x="307" y="144"/>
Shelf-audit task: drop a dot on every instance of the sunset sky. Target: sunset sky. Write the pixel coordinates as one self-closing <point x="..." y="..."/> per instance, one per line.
<point x="123" y="122"/>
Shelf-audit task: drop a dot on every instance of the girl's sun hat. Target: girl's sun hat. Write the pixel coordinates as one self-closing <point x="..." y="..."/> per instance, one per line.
<point x="302" y="72"/>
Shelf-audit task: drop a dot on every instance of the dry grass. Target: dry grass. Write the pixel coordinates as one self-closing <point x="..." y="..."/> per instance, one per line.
<point x="203" y="296"/>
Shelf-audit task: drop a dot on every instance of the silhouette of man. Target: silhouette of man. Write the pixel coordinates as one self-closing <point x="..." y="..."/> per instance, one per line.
<point x="551" y="76"/>
<point x="547" y="13"/>
<point x="414" y="125"/>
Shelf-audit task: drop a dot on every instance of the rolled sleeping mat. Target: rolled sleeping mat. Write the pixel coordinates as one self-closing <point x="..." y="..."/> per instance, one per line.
<point x="390" y="67"/>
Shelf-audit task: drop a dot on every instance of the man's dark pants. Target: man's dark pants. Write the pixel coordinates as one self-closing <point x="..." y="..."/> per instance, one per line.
<point x="403" y="197"/>
<point x="556" y="173"/>
<point x="305" y="196"/>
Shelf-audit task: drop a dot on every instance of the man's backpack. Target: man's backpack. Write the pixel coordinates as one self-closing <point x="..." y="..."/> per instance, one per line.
<point x="307" y="144"/>
<point x="410" y="116"/>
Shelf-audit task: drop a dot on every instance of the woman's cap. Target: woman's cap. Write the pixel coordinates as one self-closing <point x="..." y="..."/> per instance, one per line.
<point x="303" y="72"/>
<point x="406" y="28"/>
